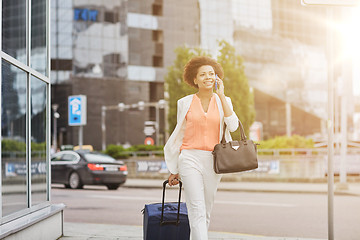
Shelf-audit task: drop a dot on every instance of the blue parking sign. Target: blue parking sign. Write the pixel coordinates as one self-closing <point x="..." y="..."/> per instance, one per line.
<point x="77" y="110"/>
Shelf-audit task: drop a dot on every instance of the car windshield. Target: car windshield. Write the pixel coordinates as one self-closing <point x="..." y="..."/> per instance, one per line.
<point x="98" y="157"/>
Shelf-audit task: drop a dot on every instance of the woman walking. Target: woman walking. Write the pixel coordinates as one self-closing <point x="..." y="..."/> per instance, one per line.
<point x="188" y="151"/>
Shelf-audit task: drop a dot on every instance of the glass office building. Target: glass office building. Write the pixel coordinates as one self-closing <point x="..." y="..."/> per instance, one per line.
<point x="25" y="118"/>
<point x="116" y="52"/>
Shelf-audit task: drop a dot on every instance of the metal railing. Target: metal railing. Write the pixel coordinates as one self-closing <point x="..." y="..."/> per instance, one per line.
<point x="269" y="152"/>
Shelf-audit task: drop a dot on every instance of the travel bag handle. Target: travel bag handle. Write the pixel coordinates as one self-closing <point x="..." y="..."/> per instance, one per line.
<point x="162" y="222"/>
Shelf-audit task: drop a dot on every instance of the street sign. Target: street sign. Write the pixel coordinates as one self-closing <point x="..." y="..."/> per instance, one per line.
<point x="150" y="123"/>
<point x="149" y="130"/>
<point x="149" y="141"/>
<point x="331" y="2"/>
<point x="77" y="110"/>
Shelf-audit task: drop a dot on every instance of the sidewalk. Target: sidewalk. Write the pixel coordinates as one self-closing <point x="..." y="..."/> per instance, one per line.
<point x="275" y="187"/>
<point x="84" y="231"/>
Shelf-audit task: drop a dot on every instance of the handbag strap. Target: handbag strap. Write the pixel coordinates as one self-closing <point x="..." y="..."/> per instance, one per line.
<point x="242" y="133"/>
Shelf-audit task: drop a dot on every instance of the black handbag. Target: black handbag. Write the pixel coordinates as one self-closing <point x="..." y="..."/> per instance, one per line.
<point x="235" y="156"/>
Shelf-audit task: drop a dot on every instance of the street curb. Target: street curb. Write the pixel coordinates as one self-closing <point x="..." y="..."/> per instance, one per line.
<point x="287" y="191"/>
<point x="338" y="193"/>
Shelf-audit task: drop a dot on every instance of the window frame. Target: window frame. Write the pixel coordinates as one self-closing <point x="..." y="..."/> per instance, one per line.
<point x="45" y="78"/>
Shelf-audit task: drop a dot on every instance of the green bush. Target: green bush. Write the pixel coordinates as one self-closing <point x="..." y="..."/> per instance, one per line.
<point x="8" y="145"/>
<point x="116" y="151"/>
<point x="119" y="152"/>
<point x="143" y="147"/>
<point x="281" y="142"/>
<point x="38" y="146"/>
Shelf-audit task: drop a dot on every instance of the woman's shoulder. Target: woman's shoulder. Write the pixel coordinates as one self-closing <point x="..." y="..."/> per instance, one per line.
<point x="186" y="98"/>
<point x="227" y="98"/>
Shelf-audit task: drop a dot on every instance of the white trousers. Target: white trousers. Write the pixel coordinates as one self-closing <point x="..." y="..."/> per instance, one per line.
<point x="200" y="185"/>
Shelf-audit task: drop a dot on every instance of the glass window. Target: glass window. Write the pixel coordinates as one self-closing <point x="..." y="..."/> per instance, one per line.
<point x="38" y="141"/>
<point x="69" y="157"/>
<point x="98" y="157"/>
<point x="13" y="141"/>
<point x="38" y="35"/>
<point x="14" y="29"/>
<point x="56" y="158"/>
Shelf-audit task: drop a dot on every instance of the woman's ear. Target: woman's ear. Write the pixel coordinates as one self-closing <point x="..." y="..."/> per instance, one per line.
<point x="195" y="82"/>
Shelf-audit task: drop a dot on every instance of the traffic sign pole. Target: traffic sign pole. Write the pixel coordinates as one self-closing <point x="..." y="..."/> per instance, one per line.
<point x="80" y="137"/>
<point x="330" y="126"/>
<point x="77" y="114"/>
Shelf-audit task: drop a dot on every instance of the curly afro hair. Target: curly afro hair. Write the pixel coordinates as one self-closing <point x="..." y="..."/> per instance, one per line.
<point x="192" y="67"/>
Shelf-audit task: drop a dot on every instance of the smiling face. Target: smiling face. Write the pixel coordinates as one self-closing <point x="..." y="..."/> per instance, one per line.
<point x="205" y="77"/>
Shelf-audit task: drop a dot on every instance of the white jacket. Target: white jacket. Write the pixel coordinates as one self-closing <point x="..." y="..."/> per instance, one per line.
<point x="172" y="146"/>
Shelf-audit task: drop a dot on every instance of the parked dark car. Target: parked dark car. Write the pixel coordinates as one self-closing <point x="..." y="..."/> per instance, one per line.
<point x="75" y="169"/>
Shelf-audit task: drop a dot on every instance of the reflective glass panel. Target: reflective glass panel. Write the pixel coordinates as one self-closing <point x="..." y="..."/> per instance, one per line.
<point x="14" y="28"/>
<point x="38" y="35"/>
<point x="13" y="139"/>
<point x="38" y="141"/>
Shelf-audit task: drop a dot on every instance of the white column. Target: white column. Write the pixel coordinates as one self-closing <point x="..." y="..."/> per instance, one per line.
<point x="343" y="149"/>
<point x="288" y="119"/>
<point x="330" y="125"/>
<point x="103" y="128"/>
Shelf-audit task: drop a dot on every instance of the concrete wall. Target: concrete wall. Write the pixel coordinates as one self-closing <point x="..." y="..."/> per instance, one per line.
<point x="44" y="224"/>
<point x="291" y="167"/>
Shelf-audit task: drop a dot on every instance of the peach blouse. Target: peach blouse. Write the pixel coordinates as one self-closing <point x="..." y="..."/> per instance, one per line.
<point x="202" y="129"/>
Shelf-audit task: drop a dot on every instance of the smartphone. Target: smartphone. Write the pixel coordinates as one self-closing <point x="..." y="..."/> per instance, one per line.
<point x="216" y="82"/>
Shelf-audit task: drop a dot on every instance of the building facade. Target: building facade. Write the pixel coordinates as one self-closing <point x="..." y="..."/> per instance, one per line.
<point x="118" y="52"/>
<point x="284" y="46"/>
<point x="115" y="53"/>
<point x="25" y="126"/>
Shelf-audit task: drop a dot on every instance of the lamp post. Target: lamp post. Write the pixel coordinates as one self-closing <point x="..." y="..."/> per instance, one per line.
<point x="330" y="45"/>
<point x="56" y="116"/>
<point x="103" y="127"/>
<point x="158" y="105"/>
<point x="122" y="107"/>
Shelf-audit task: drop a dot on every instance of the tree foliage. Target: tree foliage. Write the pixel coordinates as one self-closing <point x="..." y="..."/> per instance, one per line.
<point x="237" y="86"/>
<point x="235" y="81"/>
<point x="174" y="84"/>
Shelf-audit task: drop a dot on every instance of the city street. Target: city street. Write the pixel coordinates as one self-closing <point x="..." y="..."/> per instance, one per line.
<point x="268" y="214"/>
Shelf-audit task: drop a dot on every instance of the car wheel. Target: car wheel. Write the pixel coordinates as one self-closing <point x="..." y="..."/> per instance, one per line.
<point x="75" y="181"/>
<point x="113" y="186"/>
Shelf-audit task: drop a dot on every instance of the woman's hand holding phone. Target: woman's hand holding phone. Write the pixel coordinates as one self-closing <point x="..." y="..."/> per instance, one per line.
<point x="219" y="86"/>
<point x="216" y="77"/>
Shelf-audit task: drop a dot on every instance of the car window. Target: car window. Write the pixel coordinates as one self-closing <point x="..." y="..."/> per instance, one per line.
<point x="56" y="158"/>
<point x="98" y="157"/>
<point x="69" y="157"/>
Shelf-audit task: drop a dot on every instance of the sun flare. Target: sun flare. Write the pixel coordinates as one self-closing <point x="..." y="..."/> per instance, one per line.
<point x="350" y="34"/>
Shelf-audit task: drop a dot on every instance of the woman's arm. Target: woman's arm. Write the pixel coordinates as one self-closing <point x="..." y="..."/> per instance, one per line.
<point x="225" y="105"/>
<point x="220" y="92"/>
<point x="174" y="178"/>
<point x="230" y="117"/>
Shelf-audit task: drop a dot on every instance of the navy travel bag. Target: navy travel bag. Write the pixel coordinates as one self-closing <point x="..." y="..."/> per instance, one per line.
<point x="166" y="221"/>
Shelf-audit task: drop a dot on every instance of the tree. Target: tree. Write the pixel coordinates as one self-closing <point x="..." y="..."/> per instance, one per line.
<point x="237" y="86"/>
<point x="174" y="84"/>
